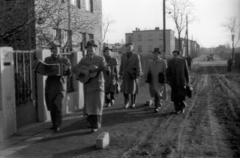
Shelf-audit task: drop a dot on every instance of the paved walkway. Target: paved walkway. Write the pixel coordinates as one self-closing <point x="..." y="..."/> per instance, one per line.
<point x="32" y="133"/>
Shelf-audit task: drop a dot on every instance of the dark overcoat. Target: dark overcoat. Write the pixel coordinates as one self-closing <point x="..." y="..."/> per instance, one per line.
<point x="112" y="78"/>
<point x="178" y="77"/>
<point x="129" y="85"/>
<point x="94" y="94"/>
<point x="56" y="86"/>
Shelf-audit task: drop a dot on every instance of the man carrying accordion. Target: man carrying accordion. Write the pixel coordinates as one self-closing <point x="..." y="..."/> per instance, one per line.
<point x="56" y="85"/>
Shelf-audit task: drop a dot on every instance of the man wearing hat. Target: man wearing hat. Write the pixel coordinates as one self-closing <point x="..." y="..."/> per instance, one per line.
<point x="156" y="74"/>
<point x="130" y="71"/>
<point x="56" y="86"/>
<point x="110" y="79"/>
<point x="178" y="78"/>
<point x="94" y="94"/>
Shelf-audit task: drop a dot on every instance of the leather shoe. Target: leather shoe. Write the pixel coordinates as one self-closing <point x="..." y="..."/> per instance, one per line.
<point x="52" y="128"/>
<point x="126" y="106"/>
<point x="133" y="105"/>
<point x="183" y="110"/>
<point x="94" y="130"/>
<point x="112" y="102"/>
<point x="109" y="105"/>
<point x="57" y="129"/>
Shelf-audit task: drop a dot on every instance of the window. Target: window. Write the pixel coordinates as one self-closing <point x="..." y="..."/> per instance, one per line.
<point x="73" y="2"/>
<point x="90" y="36"/>
<point x="139" y="48"/>
<point x="79" y="4"/>
<point x="160" y="36"/>
<point x="129" y="39"/>
<point x="139" y="37"/>
<point x="160" y="47"/>
<point x="89" y="5"/>
<point x="150" y="37"/>
<point x="150" y="48"/>
<point x="62" y="36"/>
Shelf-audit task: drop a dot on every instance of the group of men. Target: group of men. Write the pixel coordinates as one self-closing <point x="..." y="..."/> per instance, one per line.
<point x="100" y="77"/>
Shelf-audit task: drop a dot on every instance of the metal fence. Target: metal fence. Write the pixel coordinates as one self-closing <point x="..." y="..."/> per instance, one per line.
<point x="70" y="79"/>
<point x="24" y="76"/>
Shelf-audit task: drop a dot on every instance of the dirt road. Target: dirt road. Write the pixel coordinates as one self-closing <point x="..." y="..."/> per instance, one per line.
<point x="209" y="127"/>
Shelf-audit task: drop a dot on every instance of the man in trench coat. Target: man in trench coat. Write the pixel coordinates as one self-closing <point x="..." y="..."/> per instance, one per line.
<point x="178" y="78"/>
<point x="94" y="94"/>
<point x="130" y="71"/>
<point x="157" y="89"/>
<point x="56" y="86"/>
<point x="112" y="78"/>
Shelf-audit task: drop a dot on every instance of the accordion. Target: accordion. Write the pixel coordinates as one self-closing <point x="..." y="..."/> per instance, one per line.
<point x="48" y="69"/>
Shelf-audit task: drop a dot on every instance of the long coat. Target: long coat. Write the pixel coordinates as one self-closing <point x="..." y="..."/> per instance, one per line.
<point x="111" y="79"/>
<point x="178" y="77"/>
<point x="93" y="89"/>
<point x="155" y="67"/>
<point x="129" y="85"/>
<point x="56" y="86"/>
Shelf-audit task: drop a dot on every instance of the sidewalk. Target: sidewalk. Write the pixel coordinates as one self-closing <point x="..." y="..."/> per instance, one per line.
<point x="32" y="133"/>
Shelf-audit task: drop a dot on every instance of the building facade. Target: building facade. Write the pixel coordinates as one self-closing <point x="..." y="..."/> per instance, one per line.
<point x="69" y="22"/>
<point x="146" y="40"/>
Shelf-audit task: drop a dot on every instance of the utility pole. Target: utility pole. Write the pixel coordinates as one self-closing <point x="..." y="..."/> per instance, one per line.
<point x="187" y="35"/>
<point x="233" y="54"/>
<point x="164" y="29"/>
<point x="69" y="27"/>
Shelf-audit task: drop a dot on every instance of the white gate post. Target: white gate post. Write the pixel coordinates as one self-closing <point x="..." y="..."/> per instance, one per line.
<point x="8" y="124"/>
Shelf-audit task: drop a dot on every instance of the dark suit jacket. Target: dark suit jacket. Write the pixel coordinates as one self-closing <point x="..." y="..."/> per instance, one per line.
<point x="177" y="72"/>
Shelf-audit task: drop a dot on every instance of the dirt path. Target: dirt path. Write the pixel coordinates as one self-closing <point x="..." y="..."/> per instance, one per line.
<point x="209" y="127"/>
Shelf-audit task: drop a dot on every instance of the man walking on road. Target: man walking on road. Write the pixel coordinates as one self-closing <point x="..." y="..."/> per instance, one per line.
<point x="230" y="64"/>
<point x="90" y="72"/>
<point x="56" y="86"/>
<point x="112" y="78"/>
<point x="178" y="78"/>
<point x="130" y="71"/>
<point x="189" y="62"/>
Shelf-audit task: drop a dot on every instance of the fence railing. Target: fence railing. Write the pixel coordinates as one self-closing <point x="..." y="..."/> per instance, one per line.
<point x="70" y="79"/>
<point x="24" y="76"/>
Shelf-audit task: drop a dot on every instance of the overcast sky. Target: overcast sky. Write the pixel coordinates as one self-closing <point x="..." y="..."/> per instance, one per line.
<point x="147" y="14"/>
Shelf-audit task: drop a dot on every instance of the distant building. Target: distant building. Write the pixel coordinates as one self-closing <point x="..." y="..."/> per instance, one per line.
<point x="193" y="47"/>
<point x="146" y="40"/>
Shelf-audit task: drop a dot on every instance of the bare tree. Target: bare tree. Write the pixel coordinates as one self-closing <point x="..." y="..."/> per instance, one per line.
<point x="179" y="10"/>
<point x="232" y="26"/>
<point x="49" y="20"/>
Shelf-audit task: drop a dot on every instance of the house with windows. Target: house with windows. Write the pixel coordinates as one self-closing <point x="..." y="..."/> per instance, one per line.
<point x="30" y="24"/>
<point x="146" y="40"/>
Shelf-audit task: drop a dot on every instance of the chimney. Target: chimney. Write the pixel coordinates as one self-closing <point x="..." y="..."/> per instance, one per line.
<point x="136" y="29"/>
<point x="156" y="28"/>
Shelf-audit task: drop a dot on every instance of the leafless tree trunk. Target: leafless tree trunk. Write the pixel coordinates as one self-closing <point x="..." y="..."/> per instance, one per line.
<point x="233" y="27"/>
<point x="178" y="9"/>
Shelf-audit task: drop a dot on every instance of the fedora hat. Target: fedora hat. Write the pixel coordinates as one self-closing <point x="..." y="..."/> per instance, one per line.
<point x="176" y="51"/>
<point x="130" y="43"/>
<point x="156" y="50"/>
<point x="91" y="43"/>
<point x="53" y="45"/>
<point x="107" y="48"/>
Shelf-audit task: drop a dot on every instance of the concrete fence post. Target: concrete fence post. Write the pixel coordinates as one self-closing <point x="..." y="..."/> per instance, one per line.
<point x="8" y="124"/>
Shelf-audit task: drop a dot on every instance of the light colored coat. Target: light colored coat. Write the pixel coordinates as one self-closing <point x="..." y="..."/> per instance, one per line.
<point x="129" y="85"/>
<point x="93" y="89"/>
<point x="155" y="67"/>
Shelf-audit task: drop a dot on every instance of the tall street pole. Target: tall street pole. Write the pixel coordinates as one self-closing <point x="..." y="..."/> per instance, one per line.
<point x="187" y="35"/>
<point x="69" y="27"/>
<point x="164" y="29"/>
